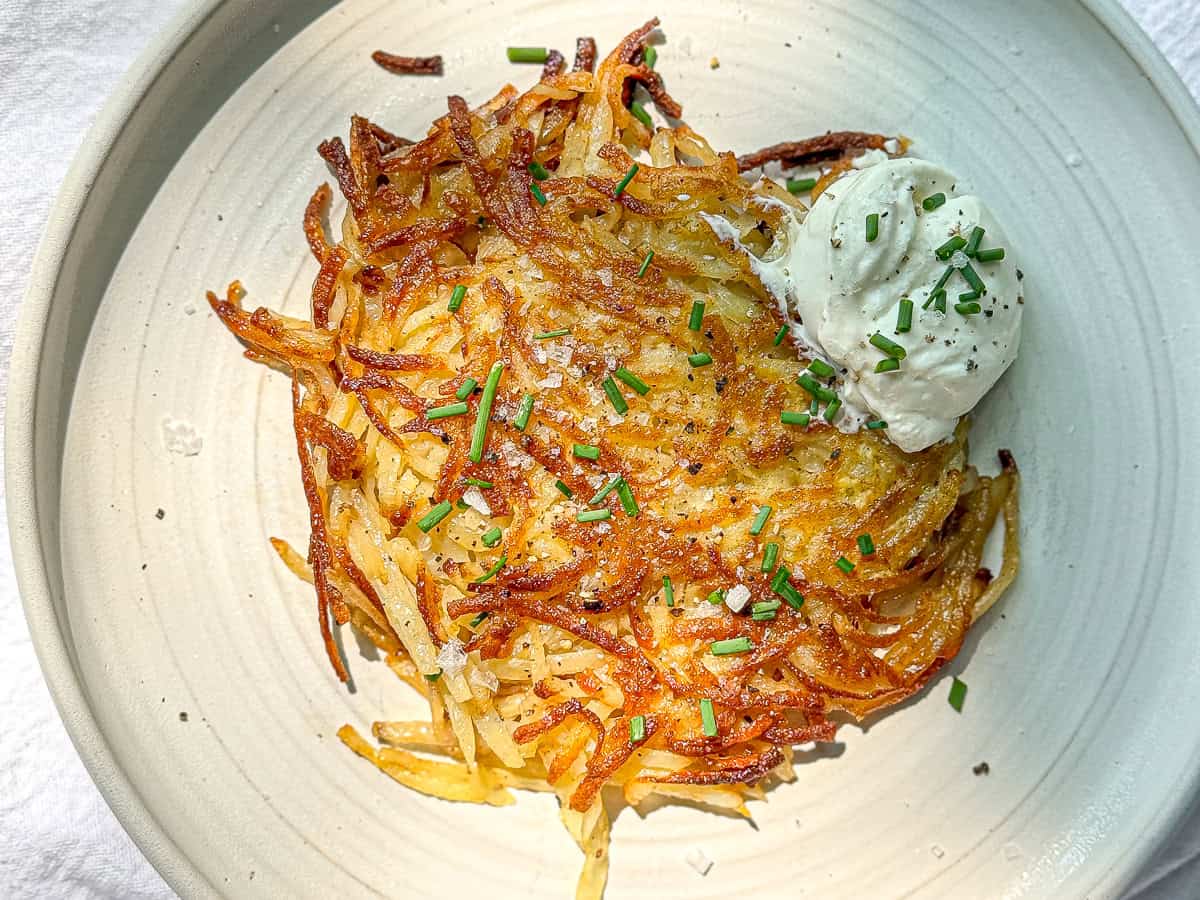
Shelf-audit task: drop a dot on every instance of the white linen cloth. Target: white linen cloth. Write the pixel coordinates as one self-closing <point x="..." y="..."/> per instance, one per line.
<point x="61" y="59"/>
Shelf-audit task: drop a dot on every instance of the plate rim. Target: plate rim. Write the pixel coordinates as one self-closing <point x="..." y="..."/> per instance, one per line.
<point x="20" y="457"/>
<point x="20" y="445"/>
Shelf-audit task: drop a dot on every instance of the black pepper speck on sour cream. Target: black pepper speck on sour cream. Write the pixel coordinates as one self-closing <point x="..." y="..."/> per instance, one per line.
<point x="836" y="290"/>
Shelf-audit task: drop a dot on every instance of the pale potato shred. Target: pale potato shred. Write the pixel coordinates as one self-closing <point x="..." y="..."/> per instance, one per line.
<point x="571" y="645"/>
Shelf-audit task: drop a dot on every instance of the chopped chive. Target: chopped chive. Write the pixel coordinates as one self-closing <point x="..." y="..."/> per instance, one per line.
<point x="765" y="616"/>
<point x="614" y="395"/>
<point x="765" y="606"/>
<point x="717" y="597"/>
<point x="877" y="425"/>
<point x="780" y="335"/>
<point x="993" y="255"/>
<point x="904" y="316"/>
<point x="645" y="264"/>
<point x="948" y="249"/>
<point x="599" y="496"/>
<point x="933" y="201"/>
<point x="793" y="597"/>
<point x="788" y="417"/>
<point x="941" y="282"/>
<point x="971" y="247"/>
<point x="491" y="573"/>
<point x="814" y="407"/>
<point x="866" y="546"/>
<point x="521" y="420"/>
<point x="800" y="185"/>
<point x="958" y="693"/>
<point x="668" y="590"/>
<point x="491" y="537"/>
<point x="594" y="515"/>
<point x="814" y="387"/>
<point x="585" y="451"/>
<point x="435" y="515"/>
<point x="770" y="554"/>
<point x="967" y="309"/>
<point x="730" y="646"/>
<point x="781" y="585"/>
<point x="444" y="412"/>
<point x="632" y="380"/>
<point x="650" y="55"/>
<point x="628" y="501"/>
<point x="972" y="278"/>
<point x="639" y="113"/>
<point x="479" y="483"/>
<point x="563" y="489"/>
<point x="844" y="564"/>
<point x="465" y="389"/>
<point x="872" y="227"/>
<point x="696" y="319"/>
<point x="938" y="299"/>
<point x="433" y="676"/>
<point x="460" y="503"/>
<point x="538" y="195"/>
<point x="890" y="347"/>
<point x="478" y="620"/>
<point x="760" y="520"/>
<point x="708" y="718"/>
<point x="624" y="182"/>
<point x="456" y="297"/>
<point x="887" y="365"/>
<point x="968" y="296"/>
<point x="699" y="359"/>
<point x="820" y="368"/>
<point x="479" y="433"/>
<point x="527" y="54"/>
<point x="780" y="578"/>
<point x="831" y="410"/>
<point x="637" y="729"/>
<point x="538" y="171"/>
<point x="547" y="335"/>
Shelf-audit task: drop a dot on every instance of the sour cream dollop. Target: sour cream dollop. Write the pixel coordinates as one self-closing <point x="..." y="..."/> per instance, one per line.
<point x="837" y="289"/>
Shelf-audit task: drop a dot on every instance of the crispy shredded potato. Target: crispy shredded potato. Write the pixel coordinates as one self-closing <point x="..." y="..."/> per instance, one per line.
<point x="543" y="651"/>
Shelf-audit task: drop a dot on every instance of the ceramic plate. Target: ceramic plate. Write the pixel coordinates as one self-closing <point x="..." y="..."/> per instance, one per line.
<point x="148" y="463"/>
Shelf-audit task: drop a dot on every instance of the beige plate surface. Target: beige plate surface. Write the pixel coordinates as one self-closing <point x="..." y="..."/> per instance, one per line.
<point x="1081" y="680"/>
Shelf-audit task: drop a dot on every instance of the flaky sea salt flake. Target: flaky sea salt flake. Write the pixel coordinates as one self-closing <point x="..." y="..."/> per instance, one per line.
<point x="474" y="498"/>
<point x="698" y="860"/>
<point x="452" y="657"/>
<point x="181" y="437"/>
<point x="737" y="597"/>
